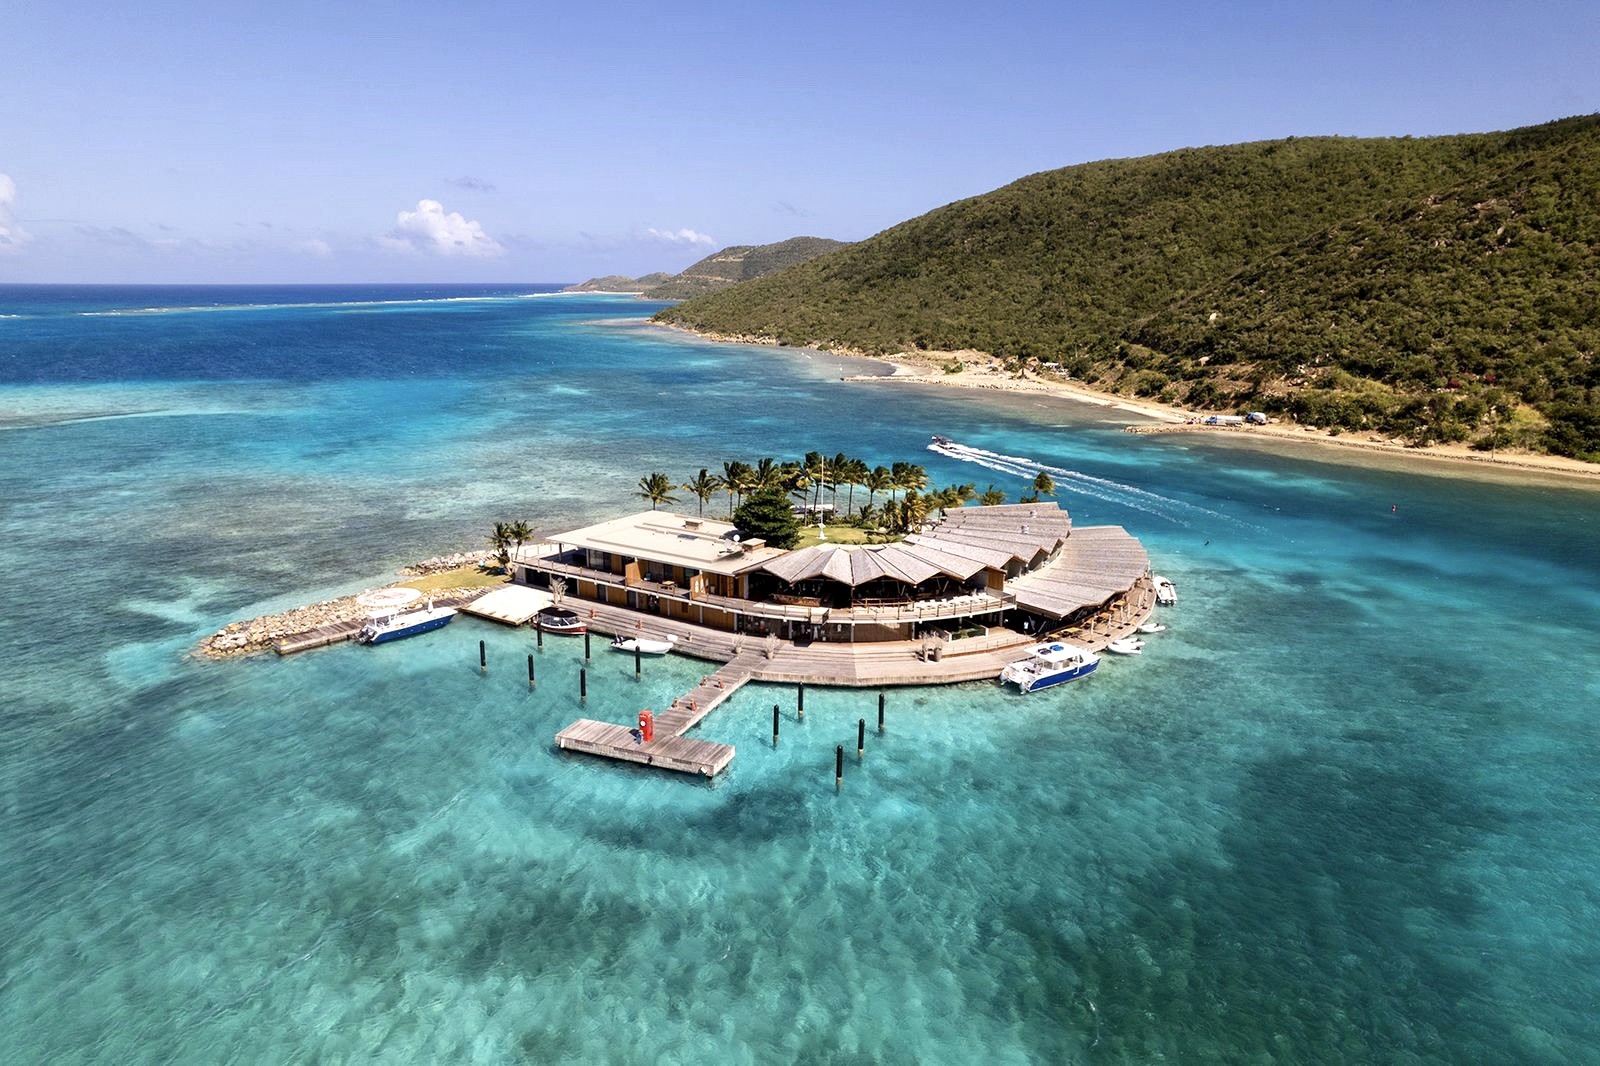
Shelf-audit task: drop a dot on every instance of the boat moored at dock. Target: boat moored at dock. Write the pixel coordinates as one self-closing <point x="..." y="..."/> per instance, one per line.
<point x="559" y="620"/>
<point x="1050" y="664"/>
<point x="384" y="628"/>
<point x="644" y="645"/>
<point x="1166" y="591"/>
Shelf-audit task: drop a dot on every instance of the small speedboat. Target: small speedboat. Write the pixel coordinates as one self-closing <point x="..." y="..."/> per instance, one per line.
<point x="1166" y="591"/>
<point x="943" y="442"/>
<point x="1050" y="664"/>
<point x="387" y="627"/>
<point x="562" y="621"/>
<point x="1126" y="646"/>
<point x="644" y="645"/>
<point x="1152" y="627"/>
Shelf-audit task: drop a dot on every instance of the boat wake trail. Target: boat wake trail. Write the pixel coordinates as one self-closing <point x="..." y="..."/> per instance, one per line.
<point x="1107" y="490"/>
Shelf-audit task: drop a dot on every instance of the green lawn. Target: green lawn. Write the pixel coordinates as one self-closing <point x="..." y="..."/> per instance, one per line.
<point x="843" y="535"/>
<point x="462" y="577"/>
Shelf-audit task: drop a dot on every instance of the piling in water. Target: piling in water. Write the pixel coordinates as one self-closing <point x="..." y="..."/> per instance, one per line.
<point x="483" y="658"/>
<point x="585" y="645"/>
<point x="800" y="697"/>
<point x="861" y="737"/>
<point x="774" y="725"/>
<point x="583" y="685"/>
<point x="530" y="669"/>
<point x="880" y="712"/>
<point x="838" y="767"/>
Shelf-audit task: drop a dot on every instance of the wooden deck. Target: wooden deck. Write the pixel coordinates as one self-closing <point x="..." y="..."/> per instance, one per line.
<point x="339" y="632"/>
<point x="879" y="664"/>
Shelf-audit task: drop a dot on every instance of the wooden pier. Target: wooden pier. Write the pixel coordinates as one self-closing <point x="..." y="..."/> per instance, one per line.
<point x="670" y="749"/>
<point x="339" y="632"/>
<point x="879" y="664"/>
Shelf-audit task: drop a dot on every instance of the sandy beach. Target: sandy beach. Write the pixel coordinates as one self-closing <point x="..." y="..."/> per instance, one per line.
<point x="927" y="368"/>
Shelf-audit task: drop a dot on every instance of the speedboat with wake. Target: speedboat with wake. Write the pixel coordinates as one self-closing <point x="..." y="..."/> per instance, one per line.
<point x="1050" y="664"/>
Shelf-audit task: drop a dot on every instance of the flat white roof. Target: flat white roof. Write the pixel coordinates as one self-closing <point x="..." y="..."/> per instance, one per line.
<point x="703" y="544"/>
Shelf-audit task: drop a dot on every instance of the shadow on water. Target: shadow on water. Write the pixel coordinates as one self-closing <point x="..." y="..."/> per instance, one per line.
<point x="1332" y="932"/>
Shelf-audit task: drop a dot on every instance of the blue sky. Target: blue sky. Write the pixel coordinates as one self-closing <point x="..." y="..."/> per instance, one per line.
<point x="178" y="141"/>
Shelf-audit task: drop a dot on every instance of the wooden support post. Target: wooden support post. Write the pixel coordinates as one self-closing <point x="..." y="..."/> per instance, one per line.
<point x="880" y="711"/>
<point x="585" y="645"/>
<point x="774" y="725"/>
<point x="538" y="634"/>
<point x="483" y="658"/>
<point x="800" y="695"/>
<point x="638" y="668"/>
<point x="583" y="685"/>
<point x="530" y="669"/>
<point x="838" y="767"/>
<point x="861" y="737"/>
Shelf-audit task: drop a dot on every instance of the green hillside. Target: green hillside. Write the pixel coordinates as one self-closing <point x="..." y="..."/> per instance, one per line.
<point x="741" y="262"/>
<point x="719" y="270"/>
<point x="1441" y="288"/>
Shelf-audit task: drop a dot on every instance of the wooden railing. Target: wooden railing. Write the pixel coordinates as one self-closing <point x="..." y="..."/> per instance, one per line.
<point x="881" y="614"/>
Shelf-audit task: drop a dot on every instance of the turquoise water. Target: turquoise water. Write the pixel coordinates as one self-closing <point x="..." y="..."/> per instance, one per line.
<point x="1343" y="812"/>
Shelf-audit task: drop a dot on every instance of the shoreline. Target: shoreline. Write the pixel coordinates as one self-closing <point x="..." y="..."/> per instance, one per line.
<point x="927" y="368"/>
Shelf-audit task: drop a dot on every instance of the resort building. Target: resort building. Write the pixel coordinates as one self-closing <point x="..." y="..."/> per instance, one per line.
<point x="1023" y="566"/>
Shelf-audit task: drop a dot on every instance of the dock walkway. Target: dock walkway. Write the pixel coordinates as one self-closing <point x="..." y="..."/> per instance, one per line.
<point x="747" y="658"/>
<point x="338" y="632"/>
<point x="671" y="750"/>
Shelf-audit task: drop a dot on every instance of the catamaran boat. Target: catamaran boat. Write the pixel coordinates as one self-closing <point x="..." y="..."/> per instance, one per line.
<point x="644" y="645"/>
<point x="1166" y="591"/>
<point x="393" y="626"/>
<point x="1050" y="664"/>
<point x="1126" y="646"/>
<point x="561" y="620"/>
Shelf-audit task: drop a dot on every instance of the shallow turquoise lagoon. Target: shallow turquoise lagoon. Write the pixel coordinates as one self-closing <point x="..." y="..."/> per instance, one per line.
<point x="1343" y="812"/>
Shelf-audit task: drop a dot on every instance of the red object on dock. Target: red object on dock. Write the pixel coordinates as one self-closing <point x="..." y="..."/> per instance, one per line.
<point x="647" y="725"/>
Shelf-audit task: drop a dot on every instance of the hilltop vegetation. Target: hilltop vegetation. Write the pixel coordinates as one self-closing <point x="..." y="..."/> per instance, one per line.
<point x="1443" y="288"/>
<point x="719" y="270"/>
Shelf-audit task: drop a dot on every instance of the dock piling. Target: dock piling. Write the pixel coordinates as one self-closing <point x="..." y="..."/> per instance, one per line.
<point x="638" y="668"/>
<point x="585" y="645"/>
<point x="880" y="710"/>
<point x="861" y="737"/>
<point x="530" y="669"/>
<point x="483" y="658"/>
<point x="838" y="767"/>
<point x="583" y="685"/>
<point x="538" y="636"/>
<point x="800" y="696"/>
<point x="774" y="725"/>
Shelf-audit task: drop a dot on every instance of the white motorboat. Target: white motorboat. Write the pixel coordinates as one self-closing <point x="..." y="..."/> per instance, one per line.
<point x="1050" y="664"/>
<point x="1152" y="627"/>
<point x="644" y="645"/>
<point x="1126" y="646"/>
<point x="1166" y="591"/>
<point x="392" y="626"/>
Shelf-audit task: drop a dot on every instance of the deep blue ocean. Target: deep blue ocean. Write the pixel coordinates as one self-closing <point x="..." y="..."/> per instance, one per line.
<point x="1344" y="811"/>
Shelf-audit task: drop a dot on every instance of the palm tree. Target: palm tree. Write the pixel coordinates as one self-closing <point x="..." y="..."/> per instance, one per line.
<point x="1044" y="485"/>
<point x="878" y="479"/>
<point x="703" y="485"/>
<point x="839" y="470"/>
<point x="735" y="480"/>
<point x="992" y="497"/>
<point x="500" y="541"/>
<point x="657" y="488"/>
<point x="768" y="475"/>
<point x="965" y="494"/>
<point x="520" y="533"/>
<point x="855" y="473"/>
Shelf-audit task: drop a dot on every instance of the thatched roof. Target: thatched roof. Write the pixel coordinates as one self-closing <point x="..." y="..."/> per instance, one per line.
<point x="1097" y="564"/>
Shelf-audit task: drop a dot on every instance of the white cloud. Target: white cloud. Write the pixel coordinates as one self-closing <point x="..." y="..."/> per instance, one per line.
<point x="679" y="236"/>
<point x="12" y="235"/>
<point x="316" y="246"/>
<point x="430" y="228"/>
